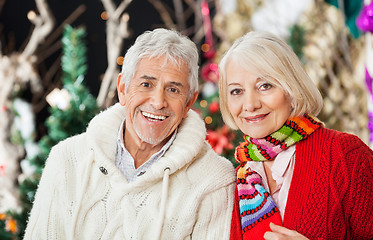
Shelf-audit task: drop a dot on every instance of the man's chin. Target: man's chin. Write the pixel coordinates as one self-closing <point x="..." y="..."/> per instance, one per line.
<point x="152" y="139"/>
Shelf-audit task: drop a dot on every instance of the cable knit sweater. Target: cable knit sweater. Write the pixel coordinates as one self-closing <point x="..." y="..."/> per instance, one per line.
<point x="83" y="195"/>
<point x="331" y="192"/>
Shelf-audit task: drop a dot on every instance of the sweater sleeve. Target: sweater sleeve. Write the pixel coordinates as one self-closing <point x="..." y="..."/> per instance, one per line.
<point x="44" y="222"/>
<point x="360" y="195"/>
<point x="214" y="215"/>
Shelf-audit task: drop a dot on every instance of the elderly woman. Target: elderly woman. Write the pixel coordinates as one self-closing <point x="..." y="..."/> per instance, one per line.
<point x="296" y="178"/>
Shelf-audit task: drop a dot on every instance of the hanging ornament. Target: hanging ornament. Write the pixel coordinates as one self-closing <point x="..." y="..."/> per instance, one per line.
<point x="60" y="98"/>
<point x="214" y="107"/>
<point x="365" y="23"/>
<point x="369" y="83"/>
<point x="209" y="89"/>
<point x="365" y="19"/>
<point x="210" y="72"/>
<point x="220" y="140"/>
<point x="208" y="47"/>
<point x="11" y="225"/>
<point x="370" y="125"/>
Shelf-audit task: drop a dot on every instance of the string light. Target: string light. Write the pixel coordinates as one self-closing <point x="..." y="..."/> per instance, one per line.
<point x="126" y="17"/>
<point x="208" y="120"/>
<point x="205" y="47"/>
<point x="203" y="103"/>
<point x="104" y="16"/>
<point x="120" y="60"/>
<point x="31" y="15"/>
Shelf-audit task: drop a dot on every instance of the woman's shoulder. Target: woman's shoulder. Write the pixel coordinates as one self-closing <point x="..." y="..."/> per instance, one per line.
<point x="334" y="138"/>
<point x="336" y="143"/>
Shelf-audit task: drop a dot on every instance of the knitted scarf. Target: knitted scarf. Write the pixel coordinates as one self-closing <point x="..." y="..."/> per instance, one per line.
<point x="257" y="208"/>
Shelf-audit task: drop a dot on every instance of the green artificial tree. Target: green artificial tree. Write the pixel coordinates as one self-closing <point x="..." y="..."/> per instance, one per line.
<point x="63" y="122"/>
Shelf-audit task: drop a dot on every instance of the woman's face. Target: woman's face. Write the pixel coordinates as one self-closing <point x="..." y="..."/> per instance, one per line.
<point x="258" y="107"/>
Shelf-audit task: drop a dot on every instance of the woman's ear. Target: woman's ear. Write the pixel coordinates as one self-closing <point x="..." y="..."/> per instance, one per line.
<point x="121" y="90"/>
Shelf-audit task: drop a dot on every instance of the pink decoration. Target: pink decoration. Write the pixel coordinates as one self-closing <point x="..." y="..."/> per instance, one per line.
<point x="369" y="82"/>
<point x="2" y="170"/>
<point x="365" y="23"/>
<point x="210" y="73"/>
<point x="365" y="20"/>
<point x="208" y="30"/>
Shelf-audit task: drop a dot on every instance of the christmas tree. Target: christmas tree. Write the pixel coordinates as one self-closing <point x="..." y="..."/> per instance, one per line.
<point x="71" y="109"/>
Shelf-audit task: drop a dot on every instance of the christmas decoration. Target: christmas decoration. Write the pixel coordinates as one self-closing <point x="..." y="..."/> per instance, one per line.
<point x="220" y="139"/>
<point x="275" y="17"/>
<point x="365" y="23"/>
<point x="63" y="122"/>
<point x="320" y="34"/>
<point x="17" y="74"/>
<point x="350" y="9"/>
<point x="117" y="31"/>
<point x="365" y="19"/>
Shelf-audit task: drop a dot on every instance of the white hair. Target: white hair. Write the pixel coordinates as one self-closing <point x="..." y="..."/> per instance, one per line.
<point x="163" y="42"/>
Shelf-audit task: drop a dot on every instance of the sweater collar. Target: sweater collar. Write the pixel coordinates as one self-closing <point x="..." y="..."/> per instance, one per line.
<point x="103" y="130"/>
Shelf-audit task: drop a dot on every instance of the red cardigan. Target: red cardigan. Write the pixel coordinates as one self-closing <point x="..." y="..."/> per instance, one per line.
<point x="331" y="192"/>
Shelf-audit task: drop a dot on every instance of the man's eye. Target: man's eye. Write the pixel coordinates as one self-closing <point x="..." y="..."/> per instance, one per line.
<point x="173" y="90"/>
<point x="145" y="84"/>
<point x="235" y="91"/>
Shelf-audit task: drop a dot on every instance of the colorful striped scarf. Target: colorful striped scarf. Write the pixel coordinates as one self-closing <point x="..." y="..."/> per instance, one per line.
<point x="257" y="208"/>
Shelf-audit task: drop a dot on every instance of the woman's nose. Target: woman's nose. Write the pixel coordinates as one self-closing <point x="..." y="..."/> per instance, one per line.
<point x="251" y="102"/>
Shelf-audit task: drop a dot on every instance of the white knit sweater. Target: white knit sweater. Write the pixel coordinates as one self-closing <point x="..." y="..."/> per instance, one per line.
<point x="83" y="195"/>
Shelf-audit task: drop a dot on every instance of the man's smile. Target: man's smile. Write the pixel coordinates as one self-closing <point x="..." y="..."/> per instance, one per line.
<point x="152" y="117"/>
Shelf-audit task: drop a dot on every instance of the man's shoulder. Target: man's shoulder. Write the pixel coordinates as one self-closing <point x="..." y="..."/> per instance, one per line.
<point x="72" y="141"/>
<point x="70" y="149"/>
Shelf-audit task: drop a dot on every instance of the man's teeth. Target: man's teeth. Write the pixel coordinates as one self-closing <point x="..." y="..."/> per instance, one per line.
<point x="149" y="115"/>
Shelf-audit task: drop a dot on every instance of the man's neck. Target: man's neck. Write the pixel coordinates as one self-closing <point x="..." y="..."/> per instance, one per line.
<point x="141" y="151"/>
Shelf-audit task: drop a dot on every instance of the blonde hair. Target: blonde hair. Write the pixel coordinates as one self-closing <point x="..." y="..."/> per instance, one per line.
<point x="270" y="58"/>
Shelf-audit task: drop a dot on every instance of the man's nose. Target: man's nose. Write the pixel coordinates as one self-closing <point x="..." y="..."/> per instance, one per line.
<point x="158" y="99"/>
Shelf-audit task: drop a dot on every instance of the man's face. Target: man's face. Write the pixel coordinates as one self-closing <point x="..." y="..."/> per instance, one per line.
<point x="156" y="100"/>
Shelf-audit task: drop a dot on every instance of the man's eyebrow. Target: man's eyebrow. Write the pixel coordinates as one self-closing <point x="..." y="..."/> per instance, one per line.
<point x="148" y="77"/>
<point x="179" y="84"/>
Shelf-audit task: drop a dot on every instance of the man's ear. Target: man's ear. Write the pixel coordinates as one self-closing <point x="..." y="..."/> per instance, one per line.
<point x="190" y="103"/>
<point x="121" y="90"/>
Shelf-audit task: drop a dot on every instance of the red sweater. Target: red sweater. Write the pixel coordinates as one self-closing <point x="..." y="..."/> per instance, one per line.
<point x="331" y="192"/>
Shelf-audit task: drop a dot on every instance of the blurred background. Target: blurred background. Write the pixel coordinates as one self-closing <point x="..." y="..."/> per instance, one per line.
<point x="59" y="61"/>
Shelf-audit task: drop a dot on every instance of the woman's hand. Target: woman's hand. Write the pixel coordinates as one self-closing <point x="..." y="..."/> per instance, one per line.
<point x="279" y="232"/>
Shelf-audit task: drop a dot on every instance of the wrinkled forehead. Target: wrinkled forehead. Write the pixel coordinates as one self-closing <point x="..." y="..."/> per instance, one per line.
<point x="163" y="60"/>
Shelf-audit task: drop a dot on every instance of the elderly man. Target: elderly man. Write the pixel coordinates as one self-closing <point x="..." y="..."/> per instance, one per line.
<point x="143" y="169"/>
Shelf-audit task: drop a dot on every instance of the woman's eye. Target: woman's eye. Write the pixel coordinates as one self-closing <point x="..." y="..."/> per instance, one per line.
<point x="265" y="86"/>
<point x="235" y="91"/>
